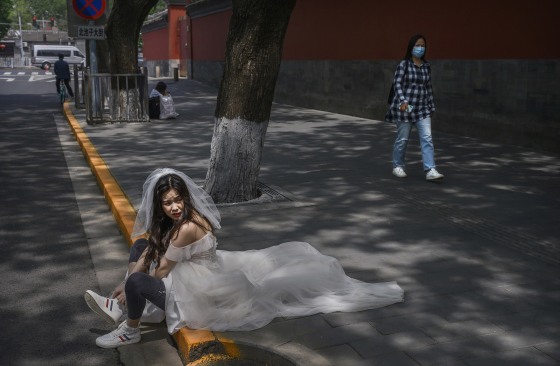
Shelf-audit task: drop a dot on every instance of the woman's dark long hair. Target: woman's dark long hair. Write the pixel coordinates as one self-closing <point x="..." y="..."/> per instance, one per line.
<point x="161" y="87"/>
<point x="162" y="228"/>
<point x="411" y="43"/>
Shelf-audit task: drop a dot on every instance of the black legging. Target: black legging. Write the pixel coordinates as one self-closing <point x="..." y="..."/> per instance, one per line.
<point x="141" y="286"/>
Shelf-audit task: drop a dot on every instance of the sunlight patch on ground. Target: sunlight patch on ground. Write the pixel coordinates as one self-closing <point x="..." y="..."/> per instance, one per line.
<point x="505" y="187"/>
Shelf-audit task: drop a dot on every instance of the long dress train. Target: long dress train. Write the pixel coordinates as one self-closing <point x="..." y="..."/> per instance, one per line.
<point x="244" y="290"/>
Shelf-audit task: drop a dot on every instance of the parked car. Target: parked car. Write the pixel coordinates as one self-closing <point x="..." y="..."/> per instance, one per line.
<point x="45" y="56"/>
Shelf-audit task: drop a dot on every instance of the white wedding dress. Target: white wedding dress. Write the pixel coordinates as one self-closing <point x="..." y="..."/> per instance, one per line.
<point x="244" y="290"/>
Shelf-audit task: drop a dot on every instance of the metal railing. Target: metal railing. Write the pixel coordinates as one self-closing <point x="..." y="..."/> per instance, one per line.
<point x="16" y="61"/>
<point x="113" y="98"/>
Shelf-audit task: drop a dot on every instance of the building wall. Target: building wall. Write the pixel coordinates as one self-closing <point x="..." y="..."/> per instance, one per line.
<point x="156" y="46"/>
<point x="163" y="42"/>
<point x="495" y="70"/>
<point x="175" y="13"/>
<point x="380" y="30"/>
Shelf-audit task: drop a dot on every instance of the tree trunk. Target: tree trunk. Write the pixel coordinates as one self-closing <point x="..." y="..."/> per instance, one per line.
<point x="123" y="31"/>
<point x="253" y="56"/>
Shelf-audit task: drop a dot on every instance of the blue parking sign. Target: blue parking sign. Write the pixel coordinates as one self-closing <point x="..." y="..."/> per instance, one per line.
<point x="89" y="9"/>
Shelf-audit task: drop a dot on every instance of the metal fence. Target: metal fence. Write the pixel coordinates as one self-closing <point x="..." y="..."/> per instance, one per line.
<point x="113" y="98"/>
<point x="16" y="61"/>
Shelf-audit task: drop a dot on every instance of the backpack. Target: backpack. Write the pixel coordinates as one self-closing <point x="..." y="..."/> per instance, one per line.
<point x="153" y="107"/>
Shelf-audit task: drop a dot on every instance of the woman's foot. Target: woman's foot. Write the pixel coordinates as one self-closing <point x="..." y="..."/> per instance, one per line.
<point x="399" y="172"/>
<point x="109" y="309"/>
<point x="433" y="174"/>
<point x="121" y="336"/>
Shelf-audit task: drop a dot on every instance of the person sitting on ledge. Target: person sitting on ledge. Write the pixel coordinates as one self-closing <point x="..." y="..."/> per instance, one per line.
<point x="178" y="273"/>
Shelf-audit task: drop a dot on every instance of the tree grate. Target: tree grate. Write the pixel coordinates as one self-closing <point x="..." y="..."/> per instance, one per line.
<point x="272" y="193"/>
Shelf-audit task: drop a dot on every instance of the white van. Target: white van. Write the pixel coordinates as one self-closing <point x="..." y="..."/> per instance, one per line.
<point x="45" y="56"/>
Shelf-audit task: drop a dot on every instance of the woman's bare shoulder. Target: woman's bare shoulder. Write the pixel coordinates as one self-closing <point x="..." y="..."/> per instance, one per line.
<point x="187" y="234"/>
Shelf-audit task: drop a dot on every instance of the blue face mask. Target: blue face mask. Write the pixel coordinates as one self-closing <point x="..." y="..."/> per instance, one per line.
<point x="418" y="51"/>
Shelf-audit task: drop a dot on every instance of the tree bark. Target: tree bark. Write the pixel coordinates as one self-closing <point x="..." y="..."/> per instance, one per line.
<point x="123" y="32"/>
<point x="253" y="56"/>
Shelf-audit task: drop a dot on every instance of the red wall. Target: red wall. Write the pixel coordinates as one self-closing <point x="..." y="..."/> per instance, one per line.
<point x="209" y="35"/>
<point x="156" y="46"/>
<point x="476" y="29"/>
<point x="175" y="13"/>
<point x="378" y="30"/>
<point x="165" y="43"/>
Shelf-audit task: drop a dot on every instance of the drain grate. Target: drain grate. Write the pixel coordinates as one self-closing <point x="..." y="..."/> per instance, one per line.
<point x="271" y="197"/>
<point x="271" y="192"/>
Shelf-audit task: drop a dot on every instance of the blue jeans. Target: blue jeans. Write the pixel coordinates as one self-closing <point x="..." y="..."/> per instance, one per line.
<point x="424" y="127"/>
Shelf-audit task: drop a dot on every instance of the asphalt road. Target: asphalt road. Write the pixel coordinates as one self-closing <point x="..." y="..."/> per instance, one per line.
<point x="45" y="263"/>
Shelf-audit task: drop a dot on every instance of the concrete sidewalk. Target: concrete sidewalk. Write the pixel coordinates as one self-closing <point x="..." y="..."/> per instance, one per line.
<point x="477" y="253"/>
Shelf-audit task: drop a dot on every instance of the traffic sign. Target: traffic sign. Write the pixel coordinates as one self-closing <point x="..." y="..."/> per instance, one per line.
<point x="89" y="9"/>
<point x="91" y="32"/>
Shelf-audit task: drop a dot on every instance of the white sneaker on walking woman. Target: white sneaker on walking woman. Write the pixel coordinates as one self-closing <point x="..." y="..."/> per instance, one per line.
<point x="399" y="172"/>
<point x="433" y="174"/>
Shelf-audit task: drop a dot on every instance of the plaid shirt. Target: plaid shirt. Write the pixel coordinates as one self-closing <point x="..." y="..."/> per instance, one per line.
<point x="412" y="84"/>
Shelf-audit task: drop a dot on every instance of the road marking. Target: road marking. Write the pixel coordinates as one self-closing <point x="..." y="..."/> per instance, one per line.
<point x="35" y="73"/>
<point x="7" y="73"/>
<point x="21" y="73"/>
<point x="8" y="79"/>
<point x="41" y="78"/>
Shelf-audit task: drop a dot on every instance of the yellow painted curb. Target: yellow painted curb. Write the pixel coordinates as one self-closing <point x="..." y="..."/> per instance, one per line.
<point x="192" y="344"/>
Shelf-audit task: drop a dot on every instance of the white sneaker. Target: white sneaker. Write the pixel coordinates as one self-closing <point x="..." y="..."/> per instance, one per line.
<point x="433" y="174"/>
<point x="121" y="336"/>
<point x="109" y="309"/>
<point x="399" y="172"/>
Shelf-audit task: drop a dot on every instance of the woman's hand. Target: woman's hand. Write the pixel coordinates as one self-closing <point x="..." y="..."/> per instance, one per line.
<point x="403" y="106"/>
<point x="118" y="294"/>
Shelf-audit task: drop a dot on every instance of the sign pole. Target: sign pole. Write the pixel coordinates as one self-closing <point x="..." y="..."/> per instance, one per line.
<point x="20" y="38"/>
<point x="96" y="100"/>
<point x="90" y="11"/>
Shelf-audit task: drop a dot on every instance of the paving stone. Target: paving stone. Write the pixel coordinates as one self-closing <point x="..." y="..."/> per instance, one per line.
<point x="409" y="322"/>
<point x="478" y="347"/>
<point x="392" y="359"/>
<point x="343" y="355"/>
<point x="341" y="319"/>
<point x="537" y="317"/>
<point x="337" y="336"/>
<point x="523" y="357"/>
<point x="393" y="343"/>
<point x="552" y="349"/>
<point x="466" y="329"/>
<point x="281" y="331"/>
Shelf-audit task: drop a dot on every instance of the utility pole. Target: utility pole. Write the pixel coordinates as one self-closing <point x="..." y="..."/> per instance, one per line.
<point x="20" y="37"/>
<point x="20" y="33"/>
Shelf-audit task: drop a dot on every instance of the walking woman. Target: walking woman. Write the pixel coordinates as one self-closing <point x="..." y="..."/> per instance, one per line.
<point x="413" y="104"/>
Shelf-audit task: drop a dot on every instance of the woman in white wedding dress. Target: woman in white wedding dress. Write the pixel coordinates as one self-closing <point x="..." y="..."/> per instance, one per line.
<point x="178" y="273"/>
